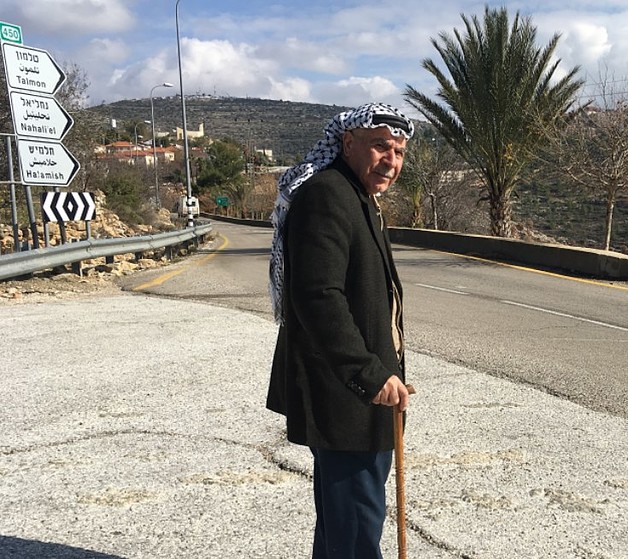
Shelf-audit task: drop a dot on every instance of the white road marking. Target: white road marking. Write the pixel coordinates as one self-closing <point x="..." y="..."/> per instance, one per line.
<point x="530" y="307"/>
<point x="565" y="315"/>
<point x="441" y="289"/>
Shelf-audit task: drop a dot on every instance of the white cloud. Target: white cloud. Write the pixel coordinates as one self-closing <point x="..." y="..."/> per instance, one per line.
<point x="582" y="42"/>
<point x="58" y="17"/>
<point x="106" y="51"/>
<point x="207" y="66"/>
<point x="357" y="90"/>
<point x="294" y="89"/>
<point x="596" y="41"/>
<point x="305" y="55"/>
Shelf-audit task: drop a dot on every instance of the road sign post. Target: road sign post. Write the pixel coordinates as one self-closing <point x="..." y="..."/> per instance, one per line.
<point x="10" y="33"/>
<point x="39" y="121"/>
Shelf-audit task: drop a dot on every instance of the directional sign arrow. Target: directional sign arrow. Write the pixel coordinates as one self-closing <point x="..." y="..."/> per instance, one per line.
<point x="52" y="206"/>
<point x="68" y="206"/>
<point x="31" y="69"/>
<point x="46" y="163"/>
<point x="39" y="117"/>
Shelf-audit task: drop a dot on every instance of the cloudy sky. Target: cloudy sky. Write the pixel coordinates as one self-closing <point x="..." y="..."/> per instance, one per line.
<point x="343" y="52"/>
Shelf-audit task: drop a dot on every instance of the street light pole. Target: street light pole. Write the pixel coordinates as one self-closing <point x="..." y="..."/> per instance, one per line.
<point x="152" y="119"/>
<point x="186" y="154"/>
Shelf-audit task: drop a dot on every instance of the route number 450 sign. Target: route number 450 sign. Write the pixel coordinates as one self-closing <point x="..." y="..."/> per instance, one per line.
<point x="10" y="33"/>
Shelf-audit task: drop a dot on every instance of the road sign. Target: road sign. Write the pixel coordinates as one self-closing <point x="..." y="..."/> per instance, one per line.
<point x="68" y="206"/>
<point x="222" y="201"/>
<point x="31" y="69"/>
<point x="45" y="163"/>
<point x="10" y="33"/>
<point x="39" y="117"/>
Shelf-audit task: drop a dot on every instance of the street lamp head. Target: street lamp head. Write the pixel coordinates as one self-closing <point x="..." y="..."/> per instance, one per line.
<point x="167" y="84"/>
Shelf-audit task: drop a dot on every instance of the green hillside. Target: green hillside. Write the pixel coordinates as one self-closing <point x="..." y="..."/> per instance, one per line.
<point x="570" y="215"/>
<point x="290" y="129"/>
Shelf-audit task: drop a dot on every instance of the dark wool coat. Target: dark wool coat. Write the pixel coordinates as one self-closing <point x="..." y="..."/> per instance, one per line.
<point x="335" y="349"/>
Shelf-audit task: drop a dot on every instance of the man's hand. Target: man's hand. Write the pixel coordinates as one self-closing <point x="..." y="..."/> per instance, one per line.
<point x="392" y="393"/>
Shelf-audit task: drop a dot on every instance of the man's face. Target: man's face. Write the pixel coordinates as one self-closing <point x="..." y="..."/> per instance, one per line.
<point x="375" y="156"/>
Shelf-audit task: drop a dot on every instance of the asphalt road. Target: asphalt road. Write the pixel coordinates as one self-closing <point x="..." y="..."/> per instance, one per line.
<point x="563" y="335"/>
<point x="133" y="426"/>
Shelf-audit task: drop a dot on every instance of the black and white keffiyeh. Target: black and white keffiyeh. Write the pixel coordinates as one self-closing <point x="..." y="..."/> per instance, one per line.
<point x="321" y="156"/>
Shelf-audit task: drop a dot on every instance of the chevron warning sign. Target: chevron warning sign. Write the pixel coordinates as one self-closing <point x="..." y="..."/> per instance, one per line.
<point x="68" y="206"/>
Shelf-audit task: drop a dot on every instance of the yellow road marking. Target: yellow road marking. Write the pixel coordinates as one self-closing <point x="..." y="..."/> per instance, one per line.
<point x="535" y="271"/>
<point x="169" y="275"/>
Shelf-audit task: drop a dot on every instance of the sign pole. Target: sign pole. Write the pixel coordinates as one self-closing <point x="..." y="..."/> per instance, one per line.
<point x="16" y="228"/>
<point x="46" y="234"/>
<point x="31" y="214"/>
<point x="10" y="33"/>
<point x="61" y="224"/>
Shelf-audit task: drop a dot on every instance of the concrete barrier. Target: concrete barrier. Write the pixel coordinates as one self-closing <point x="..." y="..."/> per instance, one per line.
<point x="587" y="262"/>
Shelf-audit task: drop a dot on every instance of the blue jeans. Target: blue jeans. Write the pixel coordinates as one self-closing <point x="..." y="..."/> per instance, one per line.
<point x="350" y="500"/>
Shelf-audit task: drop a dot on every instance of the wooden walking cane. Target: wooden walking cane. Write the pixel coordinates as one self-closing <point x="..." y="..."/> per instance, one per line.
<point x="402" y="545"/>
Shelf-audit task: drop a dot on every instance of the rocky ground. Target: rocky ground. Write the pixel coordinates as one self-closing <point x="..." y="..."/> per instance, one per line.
<point x="96" y="278"/>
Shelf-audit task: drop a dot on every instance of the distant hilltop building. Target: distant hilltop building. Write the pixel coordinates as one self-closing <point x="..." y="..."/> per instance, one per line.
<point x="192" y="133"/>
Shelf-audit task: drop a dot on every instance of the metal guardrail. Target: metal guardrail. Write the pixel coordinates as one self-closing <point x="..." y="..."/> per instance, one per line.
<point x="23" y="263"/>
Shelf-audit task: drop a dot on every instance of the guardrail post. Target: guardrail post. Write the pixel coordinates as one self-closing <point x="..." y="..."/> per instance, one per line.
<point x="109" y="259"/>
<point x="46" y="234"/>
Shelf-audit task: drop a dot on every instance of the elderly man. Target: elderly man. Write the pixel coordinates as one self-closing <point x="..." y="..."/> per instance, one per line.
<point x="338" y="365"/>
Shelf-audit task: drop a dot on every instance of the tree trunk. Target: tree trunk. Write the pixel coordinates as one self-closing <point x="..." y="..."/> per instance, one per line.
<point x="610" y="208"/>
<point x="416" y="217"/>
<point x="417" y="220"/>
<point x="501" y="215"/>
<point x="434" y="211"/>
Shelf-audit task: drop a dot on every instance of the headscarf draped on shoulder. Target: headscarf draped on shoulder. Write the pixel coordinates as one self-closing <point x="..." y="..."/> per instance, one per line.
<point x="321" y="156"/>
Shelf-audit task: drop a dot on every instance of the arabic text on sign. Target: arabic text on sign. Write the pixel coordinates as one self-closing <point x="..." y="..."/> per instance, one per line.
<point x="43" y="162"/>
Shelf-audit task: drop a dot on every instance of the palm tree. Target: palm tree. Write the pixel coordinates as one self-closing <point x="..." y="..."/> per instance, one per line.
<point x="501" y="96"/>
